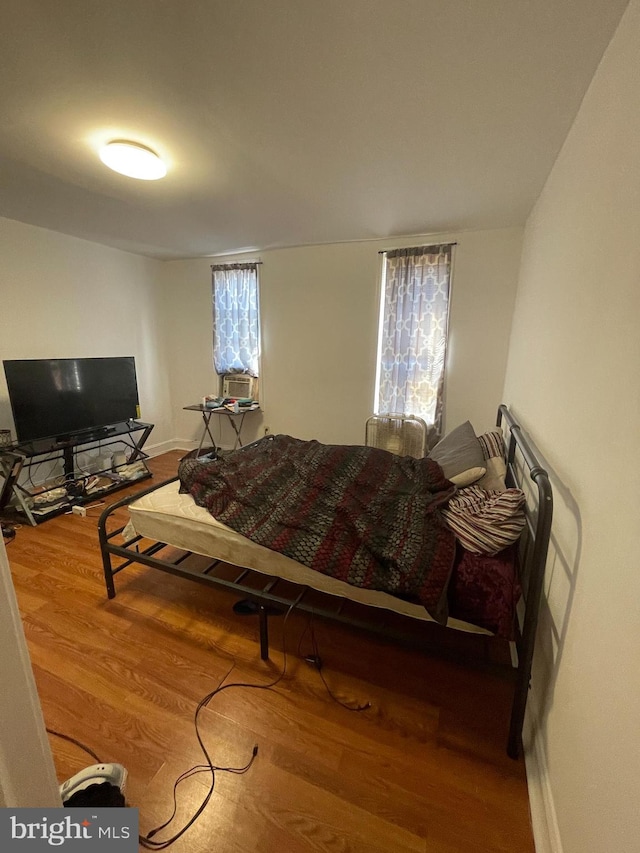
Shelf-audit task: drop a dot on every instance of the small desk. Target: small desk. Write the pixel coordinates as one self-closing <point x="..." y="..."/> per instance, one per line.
<point x="233" y="420"/>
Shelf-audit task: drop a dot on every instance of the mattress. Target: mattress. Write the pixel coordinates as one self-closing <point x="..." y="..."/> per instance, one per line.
<point x="168" y="516"/>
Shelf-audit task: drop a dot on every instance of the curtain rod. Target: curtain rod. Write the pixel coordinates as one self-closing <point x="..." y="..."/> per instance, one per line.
<point x="428" y="246"/>
<point x="236" y="263"/>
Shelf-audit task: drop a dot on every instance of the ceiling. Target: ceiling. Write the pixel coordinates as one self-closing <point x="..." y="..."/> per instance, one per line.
<point x="288" y="122"/>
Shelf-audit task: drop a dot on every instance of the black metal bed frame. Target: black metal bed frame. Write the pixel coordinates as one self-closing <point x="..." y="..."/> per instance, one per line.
<point x="522" y="463"/>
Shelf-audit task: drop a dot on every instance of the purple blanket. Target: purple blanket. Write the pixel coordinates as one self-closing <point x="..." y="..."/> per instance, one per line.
<point x="359" y="514"/>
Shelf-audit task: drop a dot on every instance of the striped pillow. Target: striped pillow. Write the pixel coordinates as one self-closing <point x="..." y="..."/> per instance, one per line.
<point x="485" y="522"/>
<point x="492" y="444"/>
<point x="494" y="452"/>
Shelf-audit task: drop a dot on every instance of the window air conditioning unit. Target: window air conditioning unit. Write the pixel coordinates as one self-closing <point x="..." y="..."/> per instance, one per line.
<point x="239" y="385"/>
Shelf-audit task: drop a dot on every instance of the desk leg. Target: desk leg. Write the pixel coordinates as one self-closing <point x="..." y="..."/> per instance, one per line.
<point x="206" y="417"/>
<point x="237" y="429"/>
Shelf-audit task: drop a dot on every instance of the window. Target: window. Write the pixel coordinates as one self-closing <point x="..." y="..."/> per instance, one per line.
<point x="236" y="318"/>
<point x="412" y="343"/>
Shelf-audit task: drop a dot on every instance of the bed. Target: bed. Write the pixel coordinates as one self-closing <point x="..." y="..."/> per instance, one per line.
<point x="171" y="528"/>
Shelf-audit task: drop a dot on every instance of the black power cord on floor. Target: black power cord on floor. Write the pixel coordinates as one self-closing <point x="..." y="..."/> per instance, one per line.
<point x="77" y="743"/>
<point x="148" y="842"/>
<point x="193" y="771"/>
<point x="315" y="660"/>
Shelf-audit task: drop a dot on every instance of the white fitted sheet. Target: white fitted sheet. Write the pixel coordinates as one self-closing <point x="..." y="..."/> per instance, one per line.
<point x="168" y="516"/>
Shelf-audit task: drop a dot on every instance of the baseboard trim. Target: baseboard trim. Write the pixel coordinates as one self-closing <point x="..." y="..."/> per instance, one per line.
<point x="165" y="446"/>
<point x="544" y="821"/>
<point x="185" y="444"/>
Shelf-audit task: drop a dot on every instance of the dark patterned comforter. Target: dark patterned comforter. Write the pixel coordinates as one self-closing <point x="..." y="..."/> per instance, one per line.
<point x="359" y="514"/>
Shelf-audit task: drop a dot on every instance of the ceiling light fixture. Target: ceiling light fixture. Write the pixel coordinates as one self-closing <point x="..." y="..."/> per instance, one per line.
<point x="133" y="160"/>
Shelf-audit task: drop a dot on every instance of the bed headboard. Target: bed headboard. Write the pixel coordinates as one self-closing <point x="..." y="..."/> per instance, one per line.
<point x="524" y="471"/>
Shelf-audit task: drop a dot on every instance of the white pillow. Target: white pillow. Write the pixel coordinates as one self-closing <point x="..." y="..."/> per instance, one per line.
<point x="493" y="480"/>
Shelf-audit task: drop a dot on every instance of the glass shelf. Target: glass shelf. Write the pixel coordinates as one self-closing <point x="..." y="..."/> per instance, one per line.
<point x="44" y="502"/>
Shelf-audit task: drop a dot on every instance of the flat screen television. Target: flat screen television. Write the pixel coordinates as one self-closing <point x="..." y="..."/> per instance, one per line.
<point x="64" y="397"/>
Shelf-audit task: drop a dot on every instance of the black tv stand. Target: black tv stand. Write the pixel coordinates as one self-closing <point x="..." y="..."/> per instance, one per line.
<point x="68" y="443"/>
<point x="131" y="435"/>
<point x="68" y="457"/>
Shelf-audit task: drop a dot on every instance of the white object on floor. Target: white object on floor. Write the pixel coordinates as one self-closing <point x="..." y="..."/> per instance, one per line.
<point x="96" y="774"/>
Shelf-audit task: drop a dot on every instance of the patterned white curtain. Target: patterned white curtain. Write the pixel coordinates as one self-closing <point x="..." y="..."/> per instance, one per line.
<point x="236" y="318"/>
<point x="413" y="334"/>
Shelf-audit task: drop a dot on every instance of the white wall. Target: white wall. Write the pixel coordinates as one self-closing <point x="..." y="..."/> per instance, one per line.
<point x="573" y="378"/>
<point x="319" y="307"/>
<point x="65" y="297"/>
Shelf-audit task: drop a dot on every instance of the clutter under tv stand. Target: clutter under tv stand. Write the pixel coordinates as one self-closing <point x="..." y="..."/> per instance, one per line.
<point x="41" y="503"/>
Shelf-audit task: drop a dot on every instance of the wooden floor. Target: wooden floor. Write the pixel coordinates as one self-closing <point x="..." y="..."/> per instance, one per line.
<point x="423" y="769"/>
